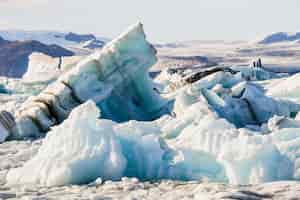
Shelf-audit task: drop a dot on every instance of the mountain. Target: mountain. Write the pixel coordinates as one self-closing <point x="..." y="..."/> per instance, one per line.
<point x="69" y="40"/>
<point x="14" y="55"/>
<point x="79" y="38"/>
<point x="93" y="44"/>
<point x="280" y="37"/>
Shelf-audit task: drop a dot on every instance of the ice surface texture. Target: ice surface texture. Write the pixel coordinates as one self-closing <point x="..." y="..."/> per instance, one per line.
<point x="76" y="152"/>
<point x="223" y="127"/>
<point x="115" y="78"/>
<point x="83" y="148"/>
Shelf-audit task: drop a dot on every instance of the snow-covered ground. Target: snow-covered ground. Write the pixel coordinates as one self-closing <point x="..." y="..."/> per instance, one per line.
<point x="230" y="133"/>
<point x="284" y="56"/>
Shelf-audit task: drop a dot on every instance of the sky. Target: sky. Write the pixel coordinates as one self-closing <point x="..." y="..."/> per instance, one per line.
<point x="164" y="20"/>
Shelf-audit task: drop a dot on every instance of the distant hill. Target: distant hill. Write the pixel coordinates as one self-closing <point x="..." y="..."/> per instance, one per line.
<point x="67" y="40"/>
<point x="79" y="37"/>
<point x="280" y="37"/>
<point x="14" y="55"/>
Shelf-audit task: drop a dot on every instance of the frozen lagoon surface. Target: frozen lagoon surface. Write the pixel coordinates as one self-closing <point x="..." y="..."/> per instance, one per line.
<point x="233" y="129"/>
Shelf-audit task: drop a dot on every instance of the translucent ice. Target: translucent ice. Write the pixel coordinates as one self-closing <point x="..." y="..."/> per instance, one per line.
<point x="3" y="133"/>
<point x="221" y="128"/>
<point x="246" y="157"/>
<point x="84" y="148"/>
<point x="78" y="151"/>
<point x="196" y="145"/>
<point x="115" y="78"/>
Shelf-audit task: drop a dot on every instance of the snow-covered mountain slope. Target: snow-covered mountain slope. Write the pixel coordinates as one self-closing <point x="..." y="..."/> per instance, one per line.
<point x="67" y="40"/>
<point x="17" y="45"/>
<point x="281" y="37"/>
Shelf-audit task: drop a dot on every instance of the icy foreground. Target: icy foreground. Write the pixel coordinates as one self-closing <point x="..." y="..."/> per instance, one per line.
<point x="84" y="148"/>
<point x="86" y="145"/>
<point x="16" y="153"/>
<point x="234" y="126"/>
<point x="91" y="148"/>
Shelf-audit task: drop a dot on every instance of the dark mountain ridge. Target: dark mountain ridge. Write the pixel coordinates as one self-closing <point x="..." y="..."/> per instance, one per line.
<point x="14" y="55"/>
<point x="280" y="37"/>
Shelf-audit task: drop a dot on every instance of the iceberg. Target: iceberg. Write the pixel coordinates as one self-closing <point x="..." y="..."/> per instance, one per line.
<point x="246" y="157"/>
<point x="115" y="78"/>
<point x="46" y="69"/>
<point x="84" y="148"/>
<point x="78" y="151"/>
<point x="246" y="105"/>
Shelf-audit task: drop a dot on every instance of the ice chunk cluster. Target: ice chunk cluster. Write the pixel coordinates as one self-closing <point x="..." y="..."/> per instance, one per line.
<point x="246" y="156"/>
<point x="236" y="127"/>
<point x="84" y="148"/>
<point x="196" y="145"/>
<point x="78" y="151"/>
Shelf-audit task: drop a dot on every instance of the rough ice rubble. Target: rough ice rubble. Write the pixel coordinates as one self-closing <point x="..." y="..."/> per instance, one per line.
<point x="78" y="151"/>
<point x="246" y="156"/>
<point x="196" y="145"/>
<point x="241" y="103"/>
<point x="192" y="145"/>
<point x="84" y="148"/>
<point x="115" y="78"/>
<point x="168" y="80"/>
<point x="214" y="143"/>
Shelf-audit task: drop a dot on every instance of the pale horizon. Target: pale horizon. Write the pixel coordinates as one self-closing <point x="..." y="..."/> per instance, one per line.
<point x="164" y="21"/>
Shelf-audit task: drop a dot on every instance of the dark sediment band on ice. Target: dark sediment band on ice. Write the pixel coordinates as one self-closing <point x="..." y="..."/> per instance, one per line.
<point x="115" y="78"/>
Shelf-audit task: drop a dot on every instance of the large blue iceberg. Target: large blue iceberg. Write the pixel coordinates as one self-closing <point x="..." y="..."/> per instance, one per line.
<point x="116" y="78"/>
